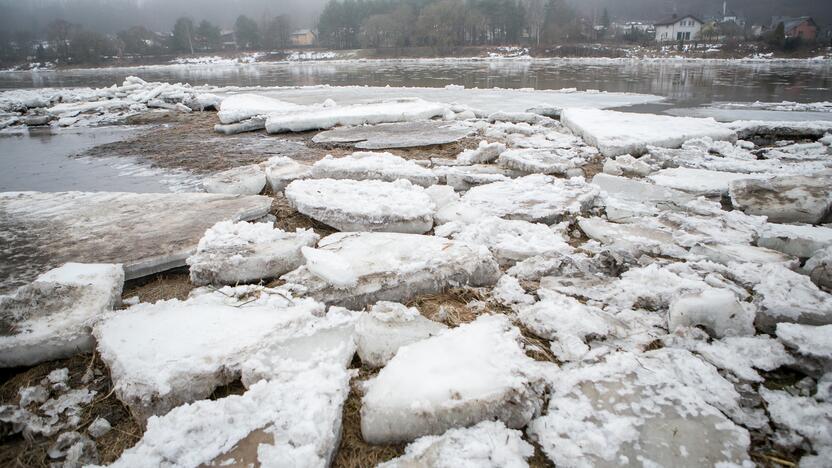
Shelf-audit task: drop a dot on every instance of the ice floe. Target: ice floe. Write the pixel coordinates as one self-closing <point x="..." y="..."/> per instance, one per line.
<point x="387" y="327"/>
<point x="146" y="233"/>
<point x="473" y="373"/>
<point x="617" y="133"/>
<point x="366" y="205"/>
<point x="52" y="317"/>
<point x="395" y="267"/>
<point x="489" y="444"/>
<point x="373" y="166"/>
<point x="243" y="180"/>
<point x="231" y="253"/>
<point x="787" y="199"/>
<point x="395" y="135"/>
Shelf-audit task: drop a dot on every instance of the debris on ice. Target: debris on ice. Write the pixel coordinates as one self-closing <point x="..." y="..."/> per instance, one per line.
<point x="785" y="199"/>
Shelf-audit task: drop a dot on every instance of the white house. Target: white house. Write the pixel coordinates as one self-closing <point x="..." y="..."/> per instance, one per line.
<point x="678" y="28"/>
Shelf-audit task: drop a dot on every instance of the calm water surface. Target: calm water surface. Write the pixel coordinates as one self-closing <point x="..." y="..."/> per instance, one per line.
<point x="684" y="83"/>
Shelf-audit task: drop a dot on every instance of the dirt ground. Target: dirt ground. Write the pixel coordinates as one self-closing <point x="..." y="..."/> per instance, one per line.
<point x="189" y="142"/>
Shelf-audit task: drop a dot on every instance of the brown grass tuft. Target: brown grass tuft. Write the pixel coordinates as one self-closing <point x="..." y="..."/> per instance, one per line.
<point x="452" y="304"/>
<point x="353" y="452"/>
<point x="172" y="284"/>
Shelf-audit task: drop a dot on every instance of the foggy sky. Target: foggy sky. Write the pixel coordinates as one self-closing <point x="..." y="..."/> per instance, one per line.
<point x="110" y="16"/>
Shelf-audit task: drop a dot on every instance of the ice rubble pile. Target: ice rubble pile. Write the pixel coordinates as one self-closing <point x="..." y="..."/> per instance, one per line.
<point x="636" y="318"/>
<point x="67" y="107"/>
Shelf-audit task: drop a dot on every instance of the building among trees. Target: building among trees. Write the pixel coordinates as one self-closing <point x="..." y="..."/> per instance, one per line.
<point x="803" y="27"/>
<point x="678" y="28"/>
<point x="304" y="38"/>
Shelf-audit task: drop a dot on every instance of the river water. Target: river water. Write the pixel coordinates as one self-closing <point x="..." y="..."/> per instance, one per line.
<point x="41" y="160"/>
<point x="683" y="82"/>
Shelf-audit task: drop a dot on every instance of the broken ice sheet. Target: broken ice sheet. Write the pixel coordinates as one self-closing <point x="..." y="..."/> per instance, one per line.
<point x="616" y="133"/>
<point x="659" y="408"/>
<point x="395" y="135"/>
<point x="373" y="166"/>
<point x="172" y="352"/>
<point x="472" y="373"/>
<point x="231" y="253"/>
<point x="51" y="318"/>
<point x="293" y="418"/>
<point x="387" y="327"/>
<point x="243" y="180"/>
<point x="364" y="205"/>
<point x="396" y="267"/>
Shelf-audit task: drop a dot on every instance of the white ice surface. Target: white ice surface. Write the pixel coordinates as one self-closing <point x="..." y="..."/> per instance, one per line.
<point x="617" y="133"/>
<point x="231" y="253"/>
<point x="489" y="444"/>
<point x="243" y="180"/>
<point x="387" y="327"/>
<point x="400" y="110"/>
<point x="373" y="166"/>
<point x="51" y="318"/>
<point x="472" y="373"/>
<point x="366" y="205"/>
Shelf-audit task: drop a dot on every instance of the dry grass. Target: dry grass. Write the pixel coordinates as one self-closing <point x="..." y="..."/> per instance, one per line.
<point x="353" y="452"/>
<point x="19" y="452"/>
<point x="172" y="284"/>
<point x="289" y="219"/>
<point x="450" y="307"/>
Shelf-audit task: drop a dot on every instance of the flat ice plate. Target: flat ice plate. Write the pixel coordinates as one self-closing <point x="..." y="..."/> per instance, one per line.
<point x="395" y="135"/>
<point x="146" y="232"/>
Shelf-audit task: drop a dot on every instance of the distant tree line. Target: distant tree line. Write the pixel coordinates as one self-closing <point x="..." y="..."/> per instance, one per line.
<point x="346" y="24"/>
<point x="65" y="42"/>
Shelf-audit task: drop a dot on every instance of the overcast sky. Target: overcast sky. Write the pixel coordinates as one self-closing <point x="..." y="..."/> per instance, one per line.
<point x="115" y="15"/>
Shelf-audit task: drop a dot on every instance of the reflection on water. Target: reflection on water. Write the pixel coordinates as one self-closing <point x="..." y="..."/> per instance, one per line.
<point x="40" y="160"/>
<point x="683" y="82"/>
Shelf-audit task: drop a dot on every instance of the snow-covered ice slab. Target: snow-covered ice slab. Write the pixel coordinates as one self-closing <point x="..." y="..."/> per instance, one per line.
<point x="660" y="408"/>
<point x="243" y="180"/>
<point x="780" y="130"/>
<point x="742" y="356"/>
<point x="395" y="135"/>
<point x="815" y="342"/>
<point x="798" y="240"/>
<point x="785" y="296"/>
<point x="616" y="133"/>
<point x="366" y="205"/>
<point x="396" y="267"/>
<point x="475" y="372"/>
<point x="463" y="178"/>
<point x="486" y="101"/>
<point x="716" y="310"/>
<point x="172" y="352"/>
<point x="541" y="161"/>
<point x="698" y="181"/>
<point x="819" y="268"/>
<point x="790" y="199"/>
<point x="293" y="419"/>
<point x="232" y="253"/>
<point x="489" y="444"/>
<point x="239" y="107"/>
<point x="801" y="418"/>
<point x="535" y="198"/>
<point x="281" y="171"/>
<point x="485" y="152"/>
<point x="373" y="166"/>
<point x="146" y="233"/>
<point x="635" y="238"/>
<point x="52" y="317"/>
<point x="387" y="327"/>
<point x="400" y="110"/>
<point x="740" y="253"/>
<point x="509" y="240"/>
<point x="569" y="323"/>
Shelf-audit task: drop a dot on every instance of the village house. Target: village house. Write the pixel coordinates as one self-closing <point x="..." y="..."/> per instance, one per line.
<point x="803" y="27"/>
<point x="678" y="28"/>
<point x="303" y="38"/>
